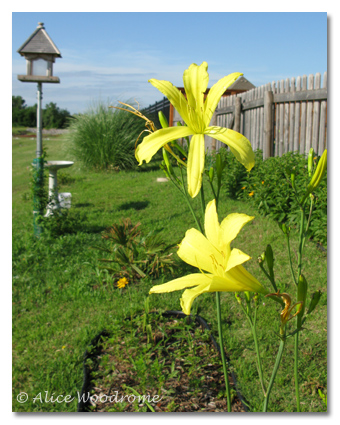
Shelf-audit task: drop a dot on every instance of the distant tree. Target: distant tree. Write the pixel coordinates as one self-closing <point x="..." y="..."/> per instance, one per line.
<point x="54" y="117"/>
<point x="26" y="116"/>
<point x="18" y="110"/>
<point x="18" y="102"/>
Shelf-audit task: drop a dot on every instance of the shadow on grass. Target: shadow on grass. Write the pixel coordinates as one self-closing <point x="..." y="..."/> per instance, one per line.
<point x="139" y="205"/>
<point x="84" y="205"/>
<point x="93" y="229"/>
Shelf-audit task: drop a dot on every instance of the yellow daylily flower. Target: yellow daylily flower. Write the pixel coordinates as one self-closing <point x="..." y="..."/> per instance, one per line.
<point x="197" y="114"/>
<point x="220" y="266"/>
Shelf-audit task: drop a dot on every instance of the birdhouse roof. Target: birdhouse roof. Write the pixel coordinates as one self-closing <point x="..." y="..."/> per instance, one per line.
<point x="39" y="42"/>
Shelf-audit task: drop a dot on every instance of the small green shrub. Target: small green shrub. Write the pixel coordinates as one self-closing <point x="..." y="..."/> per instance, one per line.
<point x="268" y="187"/>
<point x="63" y="221"/>
<point x="104" y="138"/>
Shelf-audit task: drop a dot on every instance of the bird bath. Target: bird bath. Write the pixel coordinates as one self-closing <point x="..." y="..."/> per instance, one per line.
<point x="53" y="167"/>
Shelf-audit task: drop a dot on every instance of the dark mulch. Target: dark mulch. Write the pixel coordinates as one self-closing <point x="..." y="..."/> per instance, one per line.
<point x="177" y="362"/>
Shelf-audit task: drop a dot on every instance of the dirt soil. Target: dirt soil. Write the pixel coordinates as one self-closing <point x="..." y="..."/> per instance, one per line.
<point x="183" y="388"/>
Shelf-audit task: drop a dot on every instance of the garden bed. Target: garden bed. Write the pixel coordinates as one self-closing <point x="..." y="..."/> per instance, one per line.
<point x="171" y="359"/>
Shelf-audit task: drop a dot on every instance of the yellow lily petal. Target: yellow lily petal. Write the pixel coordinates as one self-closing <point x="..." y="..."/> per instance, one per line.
<point x="215" y="94"/>
<point x="232" y="225"/>
<point x="194" y="279"/>
<point x="195" y="164"/>
<point x="152" y="143"/>
<point x="211" y="225"/>
<point x="242" y="277"/>
<point x="175" y="96"/>
<point x="196" y="250"/>
<point x="189" y="296"/>
<point x="239" y="145"/>
<point x="236" y="258"/>
<point x="195" y="80"/>
<point x="216" y="284"/>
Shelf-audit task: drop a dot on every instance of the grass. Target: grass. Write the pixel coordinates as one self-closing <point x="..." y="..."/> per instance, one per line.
<point x="62" y="299"/>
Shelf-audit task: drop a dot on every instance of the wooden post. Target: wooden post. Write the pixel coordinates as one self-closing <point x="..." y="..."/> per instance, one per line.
<point x="237" y="122"/>
<point x="268" y="124"/>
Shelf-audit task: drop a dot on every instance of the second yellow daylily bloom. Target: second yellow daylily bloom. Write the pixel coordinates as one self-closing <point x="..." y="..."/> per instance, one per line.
<point x="197" y="114"/>
<point x="221" y="267"/>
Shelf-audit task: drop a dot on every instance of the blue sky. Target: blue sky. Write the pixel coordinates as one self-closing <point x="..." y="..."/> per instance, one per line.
<point x="110" y="56"/>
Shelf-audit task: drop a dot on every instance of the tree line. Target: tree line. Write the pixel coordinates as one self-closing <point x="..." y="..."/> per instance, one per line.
<point x="26" y="116"/>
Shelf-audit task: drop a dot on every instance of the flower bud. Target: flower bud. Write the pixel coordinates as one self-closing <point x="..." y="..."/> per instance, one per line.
<point x="292" y="177"/>
<point x="270" y="259"/>
<point x="262" y="257"/>
<point x="166" y="160"/>
<point x="302" y="293"/>
<point x="314" y="301"/>
<point x="238" y="298"/>
<point x="310" y="161"/>
<point x="162" y="119"/>
<point x="247" y="295"/>
<point x="211" y="174"/>
<point x="317" y="176"/>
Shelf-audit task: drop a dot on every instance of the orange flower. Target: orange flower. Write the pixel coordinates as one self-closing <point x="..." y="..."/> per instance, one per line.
<point x="262" y="182"/>
<point x="251" y="194"/>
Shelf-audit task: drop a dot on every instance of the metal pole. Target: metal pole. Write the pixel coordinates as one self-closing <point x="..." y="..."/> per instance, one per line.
<point x="39" y="121"/>
<point x="39" y="170"/>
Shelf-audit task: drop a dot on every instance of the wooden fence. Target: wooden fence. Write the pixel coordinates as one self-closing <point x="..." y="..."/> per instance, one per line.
<point x="289" y="115"/>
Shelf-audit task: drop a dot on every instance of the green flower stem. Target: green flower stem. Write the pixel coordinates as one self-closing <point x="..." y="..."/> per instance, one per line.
<point x="296" y="364"/>
<point x="301" y="235"/>
<point x="290" y="259"/>
<point x="272" y="379"/>
<point x="214" y="193"/>
<point x="189" y="205"/>
<point x="259" y="364"/>
<point x="220" y="334"/>
<point x="308" y="223"/>
<point x="298" y="321"/>
<point x="253" y="329"/>
<point x="272" y="281"/>
<point x="203" y="201"/>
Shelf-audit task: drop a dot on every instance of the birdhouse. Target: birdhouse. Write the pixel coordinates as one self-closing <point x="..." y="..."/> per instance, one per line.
<point x="40" y="53"/>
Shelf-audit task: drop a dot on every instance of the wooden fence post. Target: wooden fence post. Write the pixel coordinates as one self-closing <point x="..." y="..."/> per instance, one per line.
<point x="237" y="122"/>
<point x="268" y="124"/>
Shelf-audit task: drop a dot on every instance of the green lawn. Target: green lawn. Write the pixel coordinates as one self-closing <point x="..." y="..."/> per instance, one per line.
<point x="61" y="299"/>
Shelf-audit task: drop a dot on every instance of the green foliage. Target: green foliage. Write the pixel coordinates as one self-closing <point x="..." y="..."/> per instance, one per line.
<point x="104" y="138"/>
<point x="133" y="255"/>
<point x="26" y="116"/>
<point x="268" y="187"/>
<point x="54" y="117"/>
<point x="61" y="222"/>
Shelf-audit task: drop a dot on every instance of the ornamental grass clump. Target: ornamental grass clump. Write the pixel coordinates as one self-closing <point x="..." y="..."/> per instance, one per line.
<point x="104" y="138"/>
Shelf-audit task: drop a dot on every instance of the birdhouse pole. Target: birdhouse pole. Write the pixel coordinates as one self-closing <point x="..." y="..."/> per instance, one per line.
<point x="40" y="53"/>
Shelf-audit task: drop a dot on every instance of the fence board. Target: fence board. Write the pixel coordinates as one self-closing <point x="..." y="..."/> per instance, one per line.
<point x="323" y="117"/>
<point x="303" y="118"/>
<point x="298" y="118"/>
<point x="316" y="115"/>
